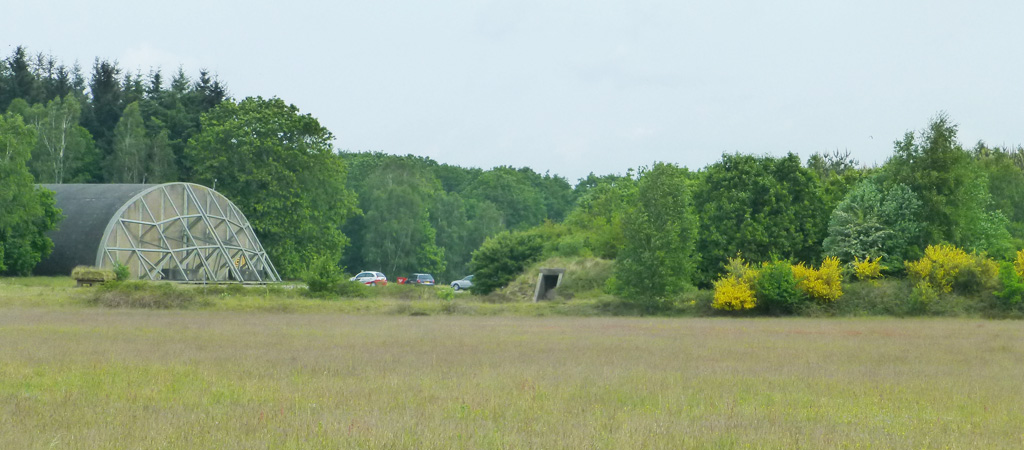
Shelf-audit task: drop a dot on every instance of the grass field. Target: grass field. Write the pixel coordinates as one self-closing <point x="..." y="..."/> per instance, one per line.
<point x="84" y="377"/>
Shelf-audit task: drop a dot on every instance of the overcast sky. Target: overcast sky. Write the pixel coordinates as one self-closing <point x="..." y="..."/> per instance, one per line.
<point x="573" y="87"/>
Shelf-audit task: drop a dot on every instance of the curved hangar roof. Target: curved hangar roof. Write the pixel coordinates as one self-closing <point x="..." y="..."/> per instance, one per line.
<point x="173" y="231"/>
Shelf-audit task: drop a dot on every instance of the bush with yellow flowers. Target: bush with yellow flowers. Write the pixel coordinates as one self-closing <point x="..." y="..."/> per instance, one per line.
<point x="735" y="290"/>
<point x="733" y="294"/>
<point x="945" y="267"/>
<point x="824" y="284"/>
<point x="1018" y="263"/>
<point x="868" y="269"/>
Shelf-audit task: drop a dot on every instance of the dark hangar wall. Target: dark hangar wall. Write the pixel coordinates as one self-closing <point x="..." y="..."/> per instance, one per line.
<point x="87" y="209"/>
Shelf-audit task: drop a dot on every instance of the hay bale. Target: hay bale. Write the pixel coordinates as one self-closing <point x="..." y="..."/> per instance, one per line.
<point x="86" y="275"/>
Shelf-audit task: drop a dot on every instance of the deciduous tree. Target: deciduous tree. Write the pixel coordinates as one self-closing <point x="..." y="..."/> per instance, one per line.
<point x="956" y="206"/>
<point x="760" y="206"/>
<point x="64" y="150"/>
<point x="26" y="211"/>
<point x="600" y="212"/>
<point x="501" y="258"/>
<point x="278" y="166"/>
<point x="658" y="259"/>
<point x="128" y="161"/>
<point x="512" y="192"/>
<point x="872" y="223"/>
<point x="398" y="236"/>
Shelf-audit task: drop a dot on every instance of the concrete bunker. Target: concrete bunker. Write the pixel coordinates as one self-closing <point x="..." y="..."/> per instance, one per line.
<point x="547" y="281"/>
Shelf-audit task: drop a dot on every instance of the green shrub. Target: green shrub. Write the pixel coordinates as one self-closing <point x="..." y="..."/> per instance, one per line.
<point x="445" y="293"/>
<point x="501" y="257"/>
<point x="121" y="272"/>
<point x="144" y="294"/>
<point x="323" y="275"/>
<point x="879" y="297"/>
<point x="696" y="302"/>
<point x="775" y="288"/>
<point x="922" y="297"/>
<point x="572" y="245"/>
<point x="1012" y="286"/>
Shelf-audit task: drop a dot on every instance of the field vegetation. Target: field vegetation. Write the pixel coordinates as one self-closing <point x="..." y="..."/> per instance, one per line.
<point x="580" y="295"/>
<point x="142" y="365"/>
<point x="131" y="378"/>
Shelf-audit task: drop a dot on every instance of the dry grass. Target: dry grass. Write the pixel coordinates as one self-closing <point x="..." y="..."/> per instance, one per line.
<point x="59" y="292"/>
<point x="118" y="378"/>
<point x="47" y="292"/>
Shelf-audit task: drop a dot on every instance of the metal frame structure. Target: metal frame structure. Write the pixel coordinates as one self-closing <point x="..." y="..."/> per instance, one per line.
<point x="184" y="232"/>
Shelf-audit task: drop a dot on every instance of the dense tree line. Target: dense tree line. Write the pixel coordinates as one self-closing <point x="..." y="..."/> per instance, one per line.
<point x="114" y="126"/>
<point x="668" y="228"/>
<point x="422" y="216"/>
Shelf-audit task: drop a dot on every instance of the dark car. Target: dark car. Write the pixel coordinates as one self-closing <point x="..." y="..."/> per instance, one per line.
<point x="420" y="279"/>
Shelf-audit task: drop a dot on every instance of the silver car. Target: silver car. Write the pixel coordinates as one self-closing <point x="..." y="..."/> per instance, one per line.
<point x="464" y="283"/>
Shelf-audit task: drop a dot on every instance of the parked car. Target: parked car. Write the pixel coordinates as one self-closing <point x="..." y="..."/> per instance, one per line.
<point x="465" y="283"/>
<point x="420" y="279"/>
<point x="370" y="278"/>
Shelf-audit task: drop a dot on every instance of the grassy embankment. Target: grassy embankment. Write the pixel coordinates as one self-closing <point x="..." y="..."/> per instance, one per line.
<point x="581" y="295"/>
<point x="59" y="292"/>
<point x="124" y="378"/>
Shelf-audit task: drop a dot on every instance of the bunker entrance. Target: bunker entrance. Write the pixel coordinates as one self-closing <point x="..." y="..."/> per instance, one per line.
<point x="547" y="281"/>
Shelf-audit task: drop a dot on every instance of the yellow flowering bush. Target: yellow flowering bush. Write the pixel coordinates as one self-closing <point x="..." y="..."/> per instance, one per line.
<point x="733" y="294"/>
<point x="823" y="284"/>
<point x="802" y="273"/>
<point x="946" y="266"/>
<point x="1018" y="264"/>
<point x="735" y="291"/>
<point x="868" y="269"/>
